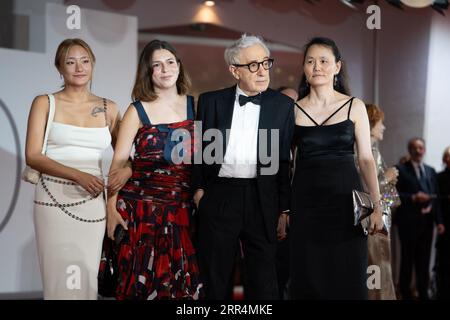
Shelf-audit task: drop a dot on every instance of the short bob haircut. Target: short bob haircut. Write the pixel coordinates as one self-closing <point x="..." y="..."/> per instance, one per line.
<point x="375" y="114"/>
<point x="143" y="88"/>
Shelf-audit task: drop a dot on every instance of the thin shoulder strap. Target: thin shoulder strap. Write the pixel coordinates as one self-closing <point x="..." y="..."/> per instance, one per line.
<point x="298" y="106"/>
<point x="350" y="107"/>
<point x="141" y="112"/>
<point x="338" y="109"/>
<point x="190" y="108"/>
<point x="105" y="103"/>
<point x="51" y="115"/>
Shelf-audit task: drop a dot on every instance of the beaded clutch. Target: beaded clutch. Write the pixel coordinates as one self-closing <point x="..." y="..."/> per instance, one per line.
<point x="29" y="174"/>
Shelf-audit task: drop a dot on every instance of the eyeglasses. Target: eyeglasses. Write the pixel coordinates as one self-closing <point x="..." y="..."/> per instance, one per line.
<point x="254" y="66"/>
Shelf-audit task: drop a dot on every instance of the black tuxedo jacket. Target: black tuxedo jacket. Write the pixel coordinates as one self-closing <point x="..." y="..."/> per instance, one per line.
<point x="215" y="111"/>
<point x="407" y="185"/>
<point x="444" y="188"/>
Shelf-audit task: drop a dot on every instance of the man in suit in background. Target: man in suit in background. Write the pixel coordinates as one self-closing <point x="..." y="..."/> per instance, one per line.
<point x="238" y="199"/>
<point x="442" y="263"/>
<point x="418" y="189"/>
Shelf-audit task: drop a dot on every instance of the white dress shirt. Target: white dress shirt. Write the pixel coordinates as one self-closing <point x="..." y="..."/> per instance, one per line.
<point x="417" y="166"/>
<point x="241" y="154"/>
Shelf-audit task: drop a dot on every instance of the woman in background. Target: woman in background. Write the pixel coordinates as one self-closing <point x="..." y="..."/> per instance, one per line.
<point x="379" y="244"/>
<point x="443" y="241"/>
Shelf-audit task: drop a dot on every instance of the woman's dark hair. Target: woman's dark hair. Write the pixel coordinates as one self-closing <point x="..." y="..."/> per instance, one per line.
<point x="341" y="83"/>
<point x="143" y="88"/>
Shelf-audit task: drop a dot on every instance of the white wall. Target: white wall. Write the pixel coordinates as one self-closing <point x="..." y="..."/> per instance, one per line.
<point x="23" y="75"/>
<point x="413" y="81"/>
<point x="35" y="11"/>
<point x="437" y="116"/>
<point x="404" y="41"/>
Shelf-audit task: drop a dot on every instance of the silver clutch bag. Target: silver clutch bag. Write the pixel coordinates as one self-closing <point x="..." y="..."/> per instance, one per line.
<point x="362" y="206"/>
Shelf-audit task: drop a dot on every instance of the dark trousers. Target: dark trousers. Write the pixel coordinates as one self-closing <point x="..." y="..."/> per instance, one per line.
<point x="282" y="266"/>
<point x="415" y="240"/>
<point x="442" y="265"/>
<point x="229" y="211"/>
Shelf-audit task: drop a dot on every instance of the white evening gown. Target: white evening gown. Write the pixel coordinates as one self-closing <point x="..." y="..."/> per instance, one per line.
<point x="69" y="223"/>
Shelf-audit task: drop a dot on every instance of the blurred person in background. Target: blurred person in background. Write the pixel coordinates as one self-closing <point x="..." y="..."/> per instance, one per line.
<point x="379" y="246"/>
<point x="415" y="217"/>
<point x="443" y="241"/>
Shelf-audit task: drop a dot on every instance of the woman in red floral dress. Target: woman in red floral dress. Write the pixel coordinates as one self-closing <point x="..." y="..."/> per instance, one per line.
<point x="156" y="258"/>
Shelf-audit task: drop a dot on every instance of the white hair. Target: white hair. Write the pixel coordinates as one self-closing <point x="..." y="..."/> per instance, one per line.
<point x="232" y="52"/>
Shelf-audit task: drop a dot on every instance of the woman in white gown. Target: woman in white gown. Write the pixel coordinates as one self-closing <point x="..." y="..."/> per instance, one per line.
<point x="69" y="209"/>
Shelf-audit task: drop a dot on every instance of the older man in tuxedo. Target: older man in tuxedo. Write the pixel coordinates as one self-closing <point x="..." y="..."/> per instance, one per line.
<point x="418" y="189"/>
<point x="241" y="197"/>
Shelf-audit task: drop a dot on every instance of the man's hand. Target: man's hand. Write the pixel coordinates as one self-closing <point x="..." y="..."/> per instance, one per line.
<point x="283" y="224"/>
<point x="198" y="196"/>
<point x="440" y="228"/>
<point x="421" y="197"/>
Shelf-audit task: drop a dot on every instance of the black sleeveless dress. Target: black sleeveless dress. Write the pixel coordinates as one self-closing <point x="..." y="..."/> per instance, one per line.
<point x="328" y="253"/>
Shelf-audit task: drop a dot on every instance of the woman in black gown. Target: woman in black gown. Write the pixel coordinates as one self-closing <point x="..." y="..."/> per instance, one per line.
<point x="328" y="253"/>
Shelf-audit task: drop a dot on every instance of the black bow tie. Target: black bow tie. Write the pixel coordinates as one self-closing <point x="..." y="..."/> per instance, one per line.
<point x="254" y="99"/>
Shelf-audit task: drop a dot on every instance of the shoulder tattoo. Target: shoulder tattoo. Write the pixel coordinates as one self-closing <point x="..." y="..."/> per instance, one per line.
<point x="97" y="110"/>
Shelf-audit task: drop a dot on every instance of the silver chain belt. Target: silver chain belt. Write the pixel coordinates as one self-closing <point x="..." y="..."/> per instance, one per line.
<point x="63" y="206"/>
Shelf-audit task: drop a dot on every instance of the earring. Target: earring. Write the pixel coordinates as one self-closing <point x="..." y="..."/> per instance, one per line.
<point x="60" y="76"/>
<point x="335" y="80"/>
<point x="306" y="82"/>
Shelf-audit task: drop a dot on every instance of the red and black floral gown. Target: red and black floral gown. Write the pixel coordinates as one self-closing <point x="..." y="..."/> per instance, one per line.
<point x="156" y="260"/>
